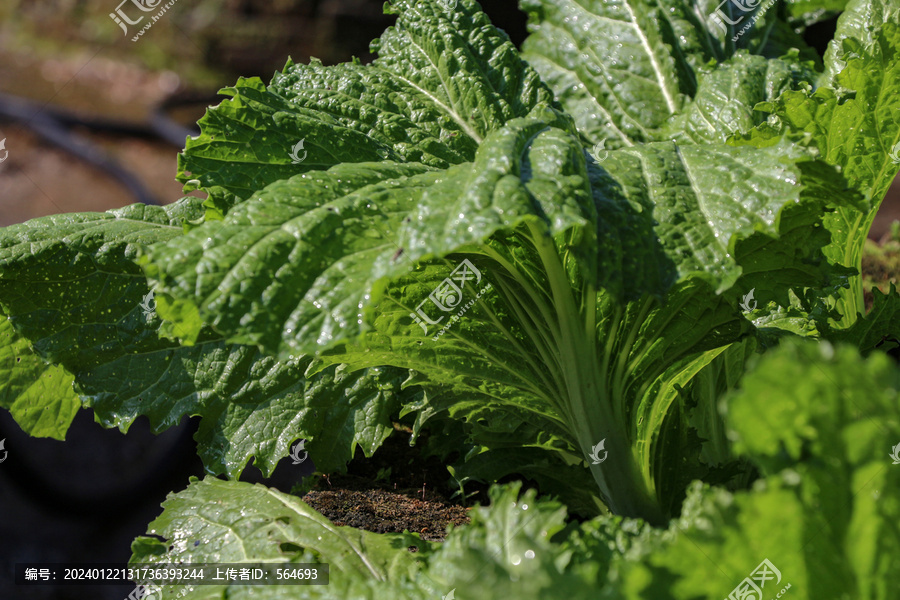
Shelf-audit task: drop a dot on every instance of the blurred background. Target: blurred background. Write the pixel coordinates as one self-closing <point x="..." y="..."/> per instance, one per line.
<point x="92" y="121"/>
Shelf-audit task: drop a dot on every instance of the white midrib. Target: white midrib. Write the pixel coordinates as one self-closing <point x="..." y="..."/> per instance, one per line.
<point x="449" y="109"/>
<point x="670" y="101"/>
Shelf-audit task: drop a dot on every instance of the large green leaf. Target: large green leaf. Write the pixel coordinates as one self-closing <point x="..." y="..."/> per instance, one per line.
<point x="215" y="521"/>
<point x="616" y="66"/>
<point x="860" y="23"/>
<point x="73" y="290"/>
<point x="703" y="201"/>
<point x="728" y="93"/>
<point x="637" y="71"/>
<point x="444" y="79"/>
<point x="58" y="274"/>
<point x="62" y="279"/>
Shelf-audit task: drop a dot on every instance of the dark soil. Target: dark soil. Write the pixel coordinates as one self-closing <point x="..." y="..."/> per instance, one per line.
<point x="397" y="489"/>
<point x="387" y="512"/>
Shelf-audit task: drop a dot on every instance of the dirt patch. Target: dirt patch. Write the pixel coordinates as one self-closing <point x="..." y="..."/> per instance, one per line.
<point x="388" y="512"/>
<point x="399" y="488"/>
